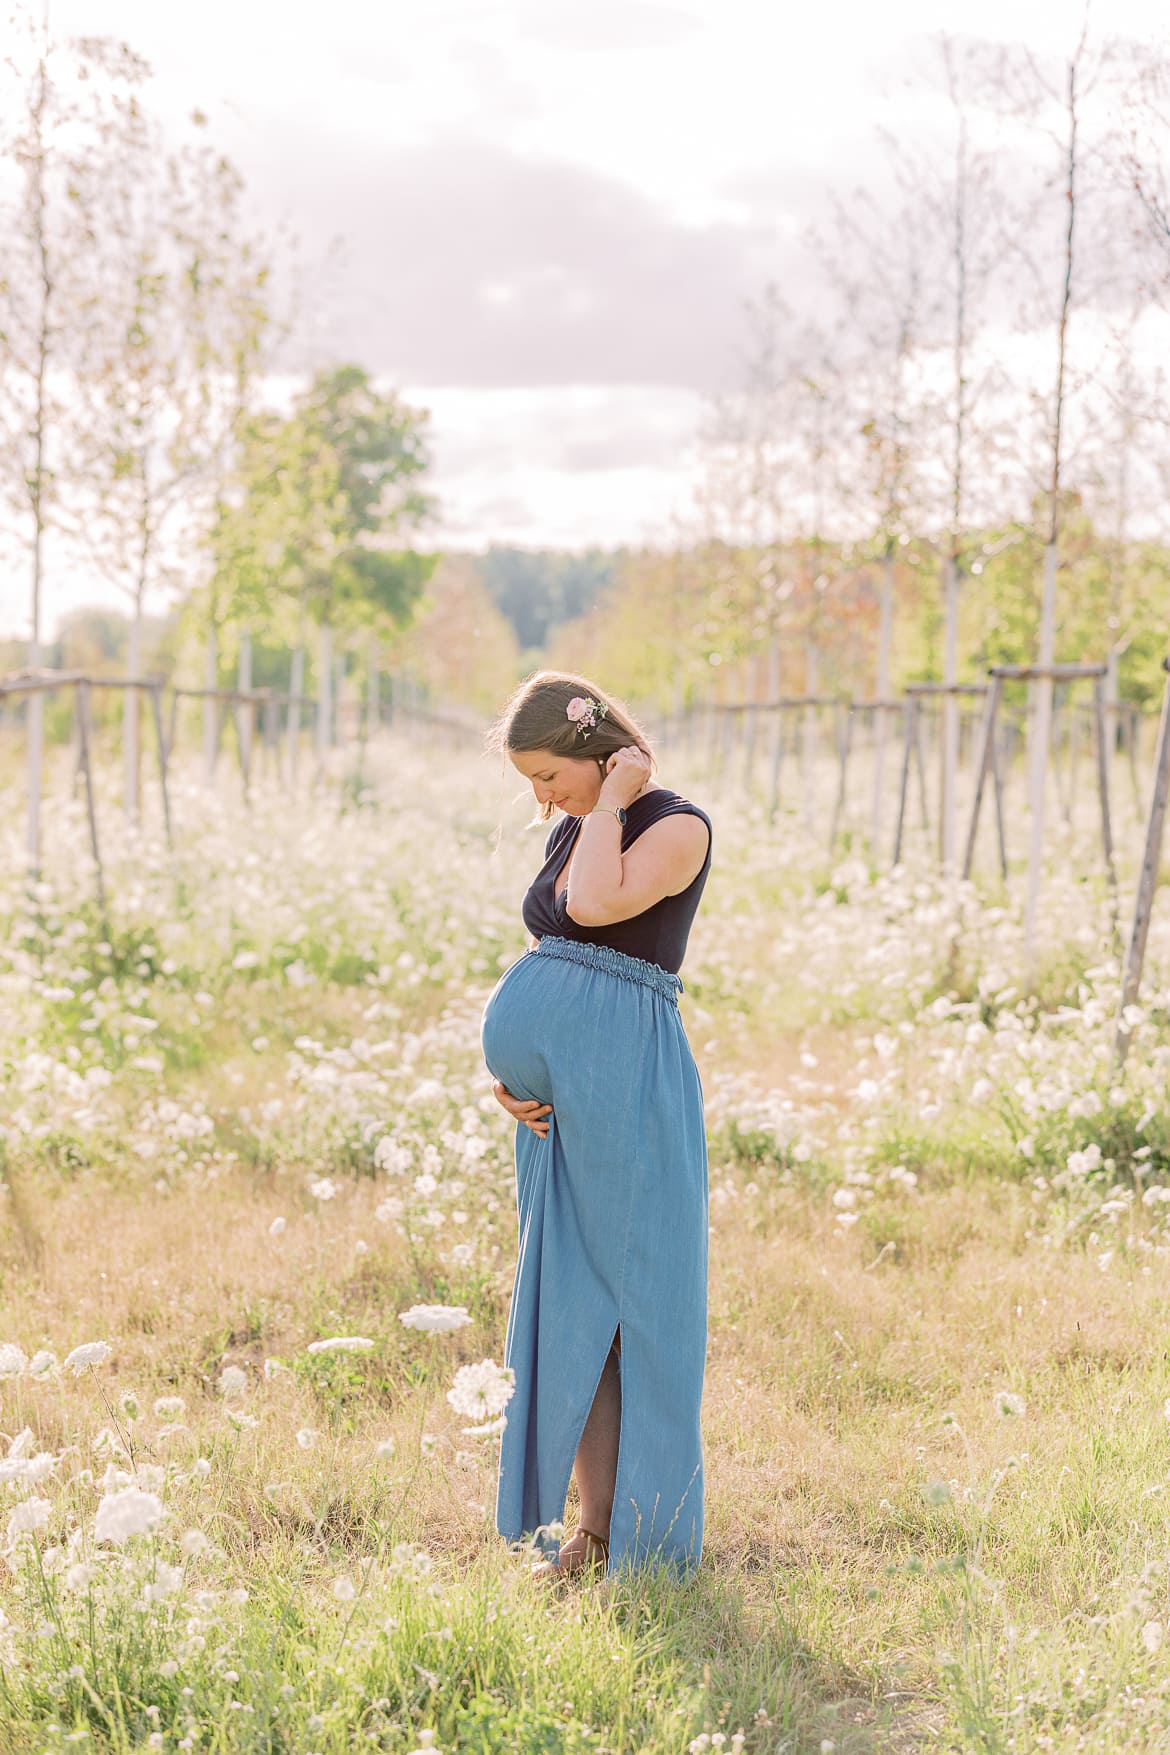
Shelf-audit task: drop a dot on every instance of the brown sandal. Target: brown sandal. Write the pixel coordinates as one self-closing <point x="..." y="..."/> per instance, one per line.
<point x="551" y="1571"/>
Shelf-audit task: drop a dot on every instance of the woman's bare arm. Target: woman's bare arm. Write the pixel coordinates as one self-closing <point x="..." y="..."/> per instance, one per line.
<point x="606" y="885"/>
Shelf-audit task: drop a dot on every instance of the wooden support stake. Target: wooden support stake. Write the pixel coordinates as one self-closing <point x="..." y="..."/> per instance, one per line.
<point x="1103" y="790"/>
<point x="752" y="677"/>
<point x="843" y="728"/>
<point x="909" y="716"/>
<point x="83" y="728"/>
<point x="172" y="718"/>
<point x="997" y="787"/>
<point x="1147" y="882"/>
<point x="160" y="743"/>
<point x="921" y="764"/>
<point x="983" y="763"/>
<point x="777" y="760"/>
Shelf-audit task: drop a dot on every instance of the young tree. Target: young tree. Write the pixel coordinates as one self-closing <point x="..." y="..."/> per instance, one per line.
<point x="327" y="499"/>
<point x="173" y="320"/>
<point x="54" y="122"/>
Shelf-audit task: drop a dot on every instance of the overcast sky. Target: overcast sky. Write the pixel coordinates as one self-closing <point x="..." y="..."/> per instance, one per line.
<point x="551" y="211"/>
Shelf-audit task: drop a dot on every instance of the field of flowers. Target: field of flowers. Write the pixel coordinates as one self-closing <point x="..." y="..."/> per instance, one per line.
<point x="257" y="1234"/>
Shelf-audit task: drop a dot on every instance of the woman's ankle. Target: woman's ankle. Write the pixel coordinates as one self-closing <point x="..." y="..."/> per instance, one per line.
<point x="598" y="1527"/>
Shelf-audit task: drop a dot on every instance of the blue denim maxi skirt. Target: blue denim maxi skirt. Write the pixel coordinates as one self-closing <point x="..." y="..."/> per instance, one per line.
<point x="613" y="1235"/>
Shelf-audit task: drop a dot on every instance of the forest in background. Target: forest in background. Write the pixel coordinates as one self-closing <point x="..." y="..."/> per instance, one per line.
<point x="658" y="626"/>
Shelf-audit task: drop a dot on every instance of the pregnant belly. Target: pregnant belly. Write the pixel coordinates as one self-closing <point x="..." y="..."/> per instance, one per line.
<point x="518" y="1026"/>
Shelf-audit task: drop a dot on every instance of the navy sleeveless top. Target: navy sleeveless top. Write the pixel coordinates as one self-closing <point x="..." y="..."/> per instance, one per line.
<point x="659" y="934"/>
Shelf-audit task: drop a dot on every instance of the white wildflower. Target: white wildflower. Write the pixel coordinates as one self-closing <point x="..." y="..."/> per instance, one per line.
<point x="1008" y="1405"/>
<point x="438" y="1319"/>
<point x="28" y="1517"/>
<point x="341" y="1344"/>
<point x="130" y="1512"/>
<point x="13" y="1360"/>
<point x="23" y="1442"/>
<point x="89" y="1353"/>
<point x="481" y="1392"/>
<point x="233" y="1381"/>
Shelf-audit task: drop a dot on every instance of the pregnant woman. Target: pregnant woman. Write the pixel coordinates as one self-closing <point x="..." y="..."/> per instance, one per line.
<point x="607" y="1329"/>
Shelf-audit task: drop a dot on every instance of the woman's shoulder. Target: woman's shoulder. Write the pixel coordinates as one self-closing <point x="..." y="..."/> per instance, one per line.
<point x="664" y="801"/>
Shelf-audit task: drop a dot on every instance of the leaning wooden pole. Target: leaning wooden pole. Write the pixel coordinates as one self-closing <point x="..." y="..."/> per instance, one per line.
<point x="83" y="727"/>
<point x="1148" y="880"/>
<point x="160" y="742"/>
<point x="1100" y="735"/>
<point x="909" y="714"/>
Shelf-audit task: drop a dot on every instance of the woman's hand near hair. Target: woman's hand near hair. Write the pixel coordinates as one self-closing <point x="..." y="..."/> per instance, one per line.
<point x="626" y="772"/>
<point x="530" y="1112"/>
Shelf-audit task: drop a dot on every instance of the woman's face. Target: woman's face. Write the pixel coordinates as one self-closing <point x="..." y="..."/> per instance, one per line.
<point x="572" y="783"/>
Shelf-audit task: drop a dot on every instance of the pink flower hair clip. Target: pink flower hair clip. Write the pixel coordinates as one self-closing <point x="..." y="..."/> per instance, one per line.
<point x="584" y="712"/>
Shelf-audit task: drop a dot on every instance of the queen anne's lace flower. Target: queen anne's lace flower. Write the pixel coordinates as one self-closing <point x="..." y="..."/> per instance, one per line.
<point x="482" y="1391"/>
<point x="438" y="1319"/>
<point x="13" y="1360"/>
<point x="89" y="1353"/>
<point x="130" y="1512"/>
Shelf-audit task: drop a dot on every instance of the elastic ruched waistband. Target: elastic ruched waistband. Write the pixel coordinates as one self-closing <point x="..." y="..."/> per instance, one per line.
<point x="613" y="962"/>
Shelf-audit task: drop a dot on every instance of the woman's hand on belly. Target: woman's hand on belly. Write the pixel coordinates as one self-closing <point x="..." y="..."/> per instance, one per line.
<point x="530" y="1112"/>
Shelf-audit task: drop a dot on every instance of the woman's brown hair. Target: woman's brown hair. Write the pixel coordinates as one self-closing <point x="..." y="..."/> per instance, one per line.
<point x="533" y="718"/>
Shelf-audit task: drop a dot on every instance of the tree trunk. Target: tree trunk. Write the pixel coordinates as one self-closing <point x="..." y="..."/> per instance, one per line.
<point x="881" y="717"/>
<point x="324" y="729"/>
<point x="296" y="687"/>
<point x="809" y="746"/>
<point x="372" y="702"/>
<point x="246" y="708"/>
<point x="949" y="765"/>
<point x="130" y="718"/>
<point x="36" y="745"/>
<point x="1038" y="753"/>
<point x="210" y="705"/>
